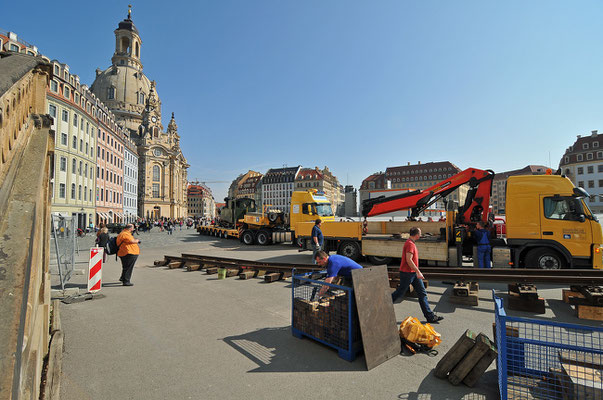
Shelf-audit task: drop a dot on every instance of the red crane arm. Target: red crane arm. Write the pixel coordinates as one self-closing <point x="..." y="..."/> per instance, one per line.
<point x="478" y="197"/>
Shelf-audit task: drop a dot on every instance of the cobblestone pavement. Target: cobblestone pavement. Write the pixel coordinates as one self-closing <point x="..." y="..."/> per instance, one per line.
<point x="188" y="335"/>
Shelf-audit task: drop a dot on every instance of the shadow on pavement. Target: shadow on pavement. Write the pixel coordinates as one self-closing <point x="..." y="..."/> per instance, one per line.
<point x="433" y="388"/>
<point x="277" y="350"/>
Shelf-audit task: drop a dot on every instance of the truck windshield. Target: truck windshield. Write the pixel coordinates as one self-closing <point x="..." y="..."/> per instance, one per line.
<point x="324" y="210"/>
<point x="567" y="208"/>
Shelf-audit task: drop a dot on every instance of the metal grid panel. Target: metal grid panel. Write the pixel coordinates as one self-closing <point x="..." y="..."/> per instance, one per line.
<point x="332" y="320"/>
<point x="548" y="360"/>
<point x="63" y="247"/>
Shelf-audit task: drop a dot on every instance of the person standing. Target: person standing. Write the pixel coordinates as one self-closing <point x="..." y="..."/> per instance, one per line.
<point x="128" y="253"/>
<point x="411" y="275"/>
<point x="484" y="250"/>
<point x="317" y="238"/>
<point x="102" y="238"/>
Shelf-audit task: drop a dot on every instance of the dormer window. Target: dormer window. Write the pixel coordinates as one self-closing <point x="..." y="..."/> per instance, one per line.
<point x="595" y="145"/>
<point x="579" y="157"/>
<point x="584" y="146"/>
<point x="111" y="93"/>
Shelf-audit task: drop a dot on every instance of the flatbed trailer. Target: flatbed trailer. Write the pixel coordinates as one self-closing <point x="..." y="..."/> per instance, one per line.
<point x="218" y="231"/>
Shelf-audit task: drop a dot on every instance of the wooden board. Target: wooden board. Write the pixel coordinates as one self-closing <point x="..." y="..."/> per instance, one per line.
<point x="567" y="294"/>
<point x="591" y="360"/>
<point x="583" y="383"/>
<point x="392" y="247"/>
<point x="378" y="326"/>
<point x="192" y="266"/>
<point x="517" y="303"/>
<point x="478" y="370"/>
<point x="460" y="371"/>
<point x="455" y="354"/>
<point x="391" y="227"/>
<point x="175" y="264"/>
<point x="593" y="313"/>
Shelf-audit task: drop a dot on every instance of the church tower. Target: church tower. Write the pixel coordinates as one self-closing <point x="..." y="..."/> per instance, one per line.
<point x="133" y="98"/>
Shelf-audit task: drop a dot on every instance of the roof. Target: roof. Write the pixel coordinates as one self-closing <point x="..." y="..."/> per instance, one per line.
<point x="527" y="170"/>
<point x="14" y="66"/>
<point x="279" y="175"/>
<point x="378" y="178"/>
<point x="309" y="173"/>
<point x="430" y="167"/>
<point x="127" y="24"/>
<point x="583" y="146"/>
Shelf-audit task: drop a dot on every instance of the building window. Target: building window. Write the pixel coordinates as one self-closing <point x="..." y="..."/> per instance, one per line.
<point x="79" y="192"/>
<point x="580" y="170"/>
<point x="62" y="190"/>
<point x="73" y="166"/>
<point x="589" y="156"/>
<point x="111" y="93"/>
<point x="52" y="110"/>
<point x="63" y="164"/>
<point x="73" y="191"/>
<point x="591" y="184"/>
<point x="64" y="139"/>
<point x="74" y="142"/>
<point x="66" y="92"/>
<point x="579" y="157"/>
<point x="595" y="145"/>
<point x="156" y="173"/>
<point x="65" y="116"/>
<point x="584" y="146"/>
<point x="81" y="144"/>
<point x="141" y="98"/>
<point x="600" y="182"/>
<point x="54" y="86"/>
<point x="581" y="184"/>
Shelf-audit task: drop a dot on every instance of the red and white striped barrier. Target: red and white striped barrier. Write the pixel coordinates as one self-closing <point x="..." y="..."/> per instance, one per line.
<point x="95" y="269"/>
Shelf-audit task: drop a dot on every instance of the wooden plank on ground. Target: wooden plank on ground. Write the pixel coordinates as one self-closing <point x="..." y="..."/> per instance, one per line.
<point x="175" y="264"/>
<point x="378" y="326"/>
<point x="247" y="274"/>
<point x="273" y="277"/>
<point x="460" y="371"/>
<point x="590" y="360"/>
<point x="192" y="266"/>
<point x="567" y="294"/>
<point x="583" y="383"/>
<point x="593" y="313"/>
<point x="478" y="370"/>
<point x="455" y="354"/>
<point x="518" y="303"/>
<point x="211" y="270"/>
<point x="232" y="272"/>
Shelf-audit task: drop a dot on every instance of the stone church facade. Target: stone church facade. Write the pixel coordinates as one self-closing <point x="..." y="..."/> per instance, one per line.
<point x="133" y="98"/>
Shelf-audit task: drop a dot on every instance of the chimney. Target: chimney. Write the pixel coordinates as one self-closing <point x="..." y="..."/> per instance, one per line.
<point x="419" y="163"/>
<point x="408" y="163"/>
<point x="579" y="136"/>
<point x="593" y="133"/>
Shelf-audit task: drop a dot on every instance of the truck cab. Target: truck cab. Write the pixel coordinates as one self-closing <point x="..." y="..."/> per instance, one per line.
<point x="549" y="224"/>
<point x="308" y="206"/>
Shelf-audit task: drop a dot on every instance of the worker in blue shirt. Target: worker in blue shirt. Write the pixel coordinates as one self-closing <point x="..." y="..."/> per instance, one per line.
<point x="336" y="266"/>
<point x="484" y="250"/>
<point x="317" y="239"/>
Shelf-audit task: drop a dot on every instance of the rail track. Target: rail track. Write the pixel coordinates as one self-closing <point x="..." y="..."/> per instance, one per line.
<point x="275" y="271"/>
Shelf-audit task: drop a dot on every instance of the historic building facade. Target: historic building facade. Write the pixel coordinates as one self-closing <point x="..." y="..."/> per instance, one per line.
<point x="201" y="202"/>
<point x="130" y="180"/>
<point x="583" y="164"/>
<point x="277" y="186"/>
<point x="73" y="109"/>
<point x="133" y="98"/>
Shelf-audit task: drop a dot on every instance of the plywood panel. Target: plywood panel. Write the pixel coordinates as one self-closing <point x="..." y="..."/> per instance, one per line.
<point x="378" y="326"/>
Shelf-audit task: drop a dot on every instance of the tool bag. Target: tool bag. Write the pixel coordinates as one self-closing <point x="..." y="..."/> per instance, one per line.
<point x="412" y="330"/>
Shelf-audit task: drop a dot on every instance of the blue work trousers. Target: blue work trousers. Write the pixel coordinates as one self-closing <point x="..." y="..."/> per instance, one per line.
<point x="410" y="278"/>
<point x="483" y="255"/>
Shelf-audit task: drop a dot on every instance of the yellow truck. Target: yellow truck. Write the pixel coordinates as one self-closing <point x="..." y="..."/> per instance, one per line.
<point x="548" y="225"/>
<point x="272" y="225"/>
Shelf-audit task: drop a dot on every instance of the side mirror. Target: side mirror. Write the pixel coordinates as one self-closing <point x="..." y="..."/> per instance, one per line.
<point x="581" y="218"/>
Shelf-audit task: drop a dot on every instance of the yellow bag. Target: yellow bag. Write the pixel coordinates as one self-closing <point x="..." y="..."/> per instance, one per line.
<point x="414" y="331"/>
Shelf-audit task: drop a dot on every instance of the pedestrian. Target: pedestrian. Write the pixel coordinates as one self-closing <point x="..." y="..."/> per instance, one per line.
<point x="484" y="250"/>
<point x="170" y="227"/>
<point x="317" y="239"/>
<point x="336" y="266"/>
<point x="102" y="238"/>
<point x="411" y="275"/>
<point x="128" y="253"/>
<point x="180" y="222"/>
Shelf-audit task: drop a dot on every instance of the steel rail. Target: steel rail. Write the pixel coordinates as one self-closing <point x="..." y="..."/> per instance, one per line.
<point x="514" y="275"/>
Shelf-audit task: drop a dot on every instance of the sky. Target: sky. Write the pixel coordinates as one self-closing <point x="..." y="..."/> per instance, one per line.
<point x="357" y="86"/>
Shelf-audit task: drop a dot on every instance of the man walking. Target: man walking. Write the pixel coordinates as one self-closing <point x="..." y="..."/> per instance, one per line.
<point x="411" y="275"/>
<point x="317" y="239"/>
<point x="128" y="253"/>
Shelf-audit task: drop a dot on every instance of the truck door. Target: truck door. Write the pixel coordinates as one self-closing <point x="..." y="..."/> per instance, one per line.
<point x="562" y="220"/>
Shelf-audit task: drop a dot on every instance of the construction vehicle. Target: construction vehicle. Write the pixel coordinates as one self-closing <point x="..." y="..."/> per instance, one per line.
<point x="548" y="225"/>
<point x="240" y="219"/>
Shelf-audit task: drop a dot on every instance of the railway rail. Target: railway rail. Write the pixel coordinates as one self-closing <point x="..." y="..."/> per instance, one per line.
<point x="508" y="275"/>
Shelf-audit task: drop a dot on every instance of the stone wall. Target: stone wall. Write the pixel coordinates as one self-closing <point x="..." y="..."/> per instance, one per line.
<point x="26" y="144"/>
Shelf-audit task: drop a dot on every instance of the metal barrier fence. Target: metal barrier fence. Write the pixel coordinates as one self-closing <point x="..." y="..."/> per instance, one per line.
<point x="547" y="360"/>
<point x="63" y="247"/>
<point x="331" y="320"/>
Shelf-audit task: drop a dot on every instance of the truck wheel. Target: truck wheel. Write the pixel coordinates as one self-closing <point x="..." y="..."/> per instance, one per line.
<point x="248" y="237"/>
<point x="543" y="258"/>
<point x="350" y="250"/>
<point x="263" y="238"/>
<point x="376" y="260"/>
<point x="272" y="217"/>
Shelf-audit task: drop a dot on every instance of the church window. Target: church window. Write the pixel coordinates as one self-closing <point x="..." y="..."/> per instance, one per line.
<point x="111" y="93"/>
<point x="156" y="173"/>
<point x="141" y="98"/>
<point x="155" y="190"/>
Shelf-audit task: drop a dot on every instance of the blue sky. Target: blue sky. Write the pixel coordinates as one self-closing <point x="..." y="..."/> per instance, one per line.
<point x="356" y="86"/>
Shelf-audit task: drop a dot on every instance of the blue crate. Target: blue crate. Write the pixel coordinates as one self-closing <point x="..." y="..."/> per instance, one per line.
<point x="334" y="324"/>
<point x="543" y="359"/>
